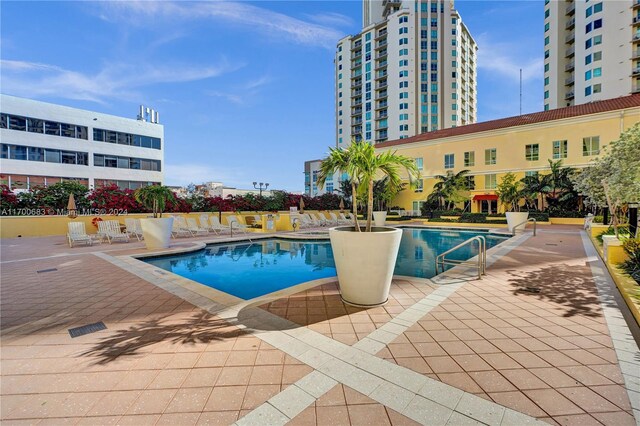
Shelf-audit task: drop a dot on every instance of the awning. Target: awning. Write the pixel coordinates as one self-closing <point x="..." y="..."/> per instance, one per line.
<point x="488" y="197"/>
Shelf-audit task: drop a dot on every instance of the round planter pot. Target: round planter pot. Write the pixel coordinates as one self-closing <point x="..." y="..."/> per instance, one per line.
<point x="157" y="232"/>
<point x="379" y="218"/>
<point x="364" y="263"/>
<point x="515" y="219"/>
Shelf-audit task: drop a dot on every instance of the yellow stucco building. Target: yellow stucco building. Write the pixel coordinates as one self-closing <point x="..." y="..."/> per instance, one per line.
<point x="523" y="144"/>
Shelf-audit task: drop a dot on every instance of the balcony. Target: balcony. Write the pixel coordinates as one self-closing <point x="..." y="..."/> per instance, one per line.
<point x="381" y="105"/>
<point x="357" y="121"/>
<point x="381" y="43"/>
<point x="571" y="9"/>
<point x="357" y="73"/>
<point x="357" y="102"/>
<point x="357" y="44"/>
<point x="570" y="52"/>
<point x="356" y="111"/>
<point x="635" y="72"/>
<point x="568" y="96"/>
<point x="356" y="54"/>
<point x="381" y="74"/>
<point x="636" y="89"/>
<point x="382" y="64"/>
<point x="636" y="54"/>
<point x="381" y="85"/>
<point x="636" y="20"/>
<point x="382" y="54"/>
<point x="569" y="81"/>
<point x="356" y="93"/>
<point x="382" y="94"/>
<point x="570" y="24"/>
<point x="383" y="114"/>
<point x="570" y="66"/>
<point x="636" y="37"/>
<point x="356" y="83"/>
<point x="356" y="64"/>
<point x="356" y="129"/>
<point x="382" y="33"/>
<point x="571" y="38"/>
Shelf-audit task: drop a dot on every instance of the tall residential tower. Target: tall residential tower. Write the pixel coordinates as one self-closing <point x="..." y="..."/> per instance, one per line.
<point x="591" y="51"/>
<point x="411" y="70"/>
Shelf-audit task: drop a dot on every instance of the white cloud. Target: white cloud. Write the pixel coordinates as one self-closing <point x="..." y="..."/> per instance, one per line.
<point x="268" y="22"/>
<point x="244" y="92"/>
<point x="504" y="60"/>
<point x="331" y="19"/>
<point x="184" y="174"/>
<point x="116" y="80"/>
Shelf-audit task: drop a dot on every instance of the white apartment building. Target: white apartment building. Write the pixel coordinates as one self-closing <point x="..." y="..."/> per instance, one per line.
<point x="411" y="70"/>
<point x="591" y="51"/>
<point x="43" y="143"/>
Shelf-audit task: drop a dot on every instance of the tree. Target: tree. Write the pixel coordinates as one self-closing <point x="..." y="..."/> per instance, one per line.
<point x="448" y="190"/>
<point x="509" y="192"/>
<point x="614" y="178"/>
<point x="155" y="198"/>
<point x="532" y="187"/>
<point x="557" y="185"/>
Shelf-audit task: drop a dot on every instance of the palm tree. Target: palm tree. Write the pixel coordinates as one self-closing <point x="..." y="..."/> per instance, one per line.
<point x="532" y="187"/>
<point x="558" y="186"/>
<point x="340" y="161"/>
<point x="447" y="190"/>
<point x="154" y="197"/>
<point x="363" y="165"/>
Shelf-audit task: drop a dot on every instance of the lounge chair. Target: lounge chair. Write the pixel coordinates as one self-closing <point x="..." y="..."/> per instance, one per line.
<point x="110" y="229"/>
<point x="234" y="223"/>
<point x="205" y="223"/>
<point x="297" y="222"/>
<point x="180" y="228"/>
<point x="345" y="220"/>
<point x="217" y="227"/>
<point x="77" y="234"/>
<point x="311" y="221"/>
<point x="192" y="226"/>
<point x="134" y="228"/>
<point x="335" y="220"/>
<point x="319" y="218"/>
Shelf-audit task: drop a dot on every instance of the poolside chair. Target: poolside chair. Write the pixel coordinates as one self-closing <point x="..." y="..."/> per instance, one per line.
<point x="110" y="229"/>
<point x="134" y="228"/>
<point x="345" y="220"/>
<point x="257" y="220"/>
<point x="234" y="223"/>
<point x="180" y="228"/>
<point x="77" y="234"/>
<point x="334" y="219"/>
<point x="205" y="223"/>
<point x="217" y="227"/>
<point x="319" y="218"/>
<point x="192" y="226"/>
<point x="297" y="221"/>
<point x="311" y="221"/>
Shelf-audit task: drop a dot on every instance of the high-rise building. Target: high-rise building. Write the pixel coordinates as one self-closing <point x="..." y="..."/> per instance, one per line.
<point x="411" y="70"/>
<point x="43" y="144"/>
<point x="591" y="51"/>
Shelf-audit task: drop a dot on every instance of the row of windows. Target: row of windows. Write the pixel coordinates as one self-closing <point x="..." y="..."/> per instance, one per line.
<point x="123" y="184"/>
<point x="120" y="138"/>
<point x="590" y="146"/>
<point x="101" y="160"/>
<point x="19" y="152"/>
<point x="37" y="125"/>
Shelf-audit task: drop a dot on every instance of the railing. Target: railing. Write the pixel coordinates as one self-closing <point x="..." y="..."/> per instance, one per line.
<point x="441" y="259"/>
<point x="531" y="219"/>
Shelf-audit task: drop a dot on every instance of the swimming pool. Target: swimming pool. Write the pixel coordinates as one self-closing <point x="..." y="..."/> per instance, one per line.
<point x="251" y="269"/>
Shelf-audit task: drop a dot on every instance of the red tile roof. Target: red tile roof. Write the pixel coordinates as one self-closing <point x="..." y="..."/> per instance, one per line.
<point x="521" y="120"/>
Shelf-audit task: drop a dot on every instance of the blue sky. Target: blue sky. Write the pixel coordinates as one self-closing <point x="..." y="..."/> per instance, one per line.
<point x="245" y="90"/>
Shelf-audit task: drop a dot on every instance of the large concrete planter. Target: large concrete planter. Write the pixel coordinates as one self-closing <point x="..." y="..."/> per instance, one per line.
<point x="365" y="262"/>
<point x="515" y="219"/>
<point x="380" y="218"/>
<point x="157" y="232"/>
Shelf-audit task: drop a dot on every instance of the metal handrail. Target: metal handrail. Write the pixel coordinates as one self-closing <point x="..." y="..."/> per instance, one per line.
<point x="482" y="255"/>
<point x="531" y="219"/>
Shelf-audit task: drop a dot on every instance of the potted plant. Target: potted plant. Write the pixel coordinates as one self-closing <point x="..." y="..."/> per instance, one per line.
<point x="365" y="258"/>
<point x="509" y="194"/>
<point x="156" y="231"/>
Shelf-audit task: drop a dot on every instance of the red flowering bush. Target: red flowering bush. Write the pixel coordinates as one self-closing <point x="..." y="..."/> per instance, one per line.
<point x="8" y="200"/>
<point x="113" y="198"/>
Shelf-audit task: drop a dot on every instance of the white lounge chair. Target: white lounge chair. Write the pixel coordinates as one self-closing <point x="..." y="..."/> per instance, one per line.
<point x="345" y="220"/>
<point x="180" y="228"/>
<point x="110" y="229"/>
<point x="192" y="226"/>
<point x="335" y="220"/>
<point x="205" y="223"/>
<point x="134" y="228"/>
<point x="234" y="223"/>
<point x="217" y="227"/>
<point x="319" y="218"/>
<point x="77" y="234"/>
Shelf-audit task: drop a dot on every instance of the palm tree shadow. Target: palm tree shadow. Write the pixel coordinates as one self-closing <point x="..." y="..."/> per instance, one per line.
<point x="199" y="328"/>
<point x="559" y="284"/>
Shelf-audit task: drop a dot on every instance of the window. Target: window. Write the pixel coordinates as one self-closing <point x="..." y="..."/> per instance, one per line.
<point x="546" y="40"/>
<point x="470" y="183"/>
<point x="490" y="181"/>
<point x="532" y="152"/>
<point x="597" y="72"/>
<point x="597" y="88"/>
<point x="597" y="56"/>
<point x="597" y="7"/>
<point x="419" y="163"/>
<point x="35" y="126"/>
<point x="546" y="54"/>
<point x="546" y="67"/>
<point x="588" y="43"/>
<point x="587" y="59"/>
<point x="449" y="161"/>
<point x="590" y="146"/>
<point x="559" y="149"/>
<point x="597" y="24"/>
<point x="546" y="81"/>
<point x="587" y="75"/>
<point x="587" y="91"/>
<point x="546" y="27"/>
<point x="404" y="41"/>
<point x="52" y="128"/>
<point x="17" y="123"/>
<point x="469" y="158"/>
<point x="403" y="30"/>
<point x="490" y="156"/>
<point x="587" y="28"/>
<point x="547" y="13"/>
<point x="589" y="11"/>
<point x="419" y="185"/>
<point x="597" y="40"/>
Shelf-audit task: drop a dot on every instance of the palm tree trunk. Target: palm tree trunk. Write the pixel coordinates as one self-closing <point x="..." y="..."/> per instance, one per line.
<point x="354" y="205"/>
<point x="370" y="206"/>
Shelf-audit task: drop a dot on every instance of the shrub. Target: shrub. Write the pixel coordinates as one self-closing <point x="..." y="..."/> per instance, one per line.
<point x="474" y="218"/>
<point x="598" y="219"/>
<point x="632" y="265"/>
<point x="623" y="230"/>
<point x="556" y="212"/>
<point x="111" y="197"/>
<point x="8" y="200"/>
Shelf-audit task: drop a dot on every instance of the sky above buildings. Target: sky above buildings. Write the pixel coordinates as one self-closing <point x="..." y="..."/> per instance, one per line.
<point x="245" y="90"/>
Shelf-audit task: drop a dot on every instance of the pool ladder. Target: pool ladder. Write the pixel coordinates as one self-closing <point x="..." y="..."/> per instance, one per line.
<point x="531" y="219"/>
<point x="441" y="259"/>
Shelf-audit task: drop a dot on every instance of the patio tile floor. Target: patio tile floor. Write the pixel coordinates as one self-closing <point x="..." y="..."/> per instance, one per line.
<point x="548" y="354"/>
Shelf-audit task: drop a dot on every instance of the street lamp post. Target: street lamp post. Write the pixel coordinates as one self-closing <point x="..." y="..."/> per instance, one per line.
<point x="260" y="186"/>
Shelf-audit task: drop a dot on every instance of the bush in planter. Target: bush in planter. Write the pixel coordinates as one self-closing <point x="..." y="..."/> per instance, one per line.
<point x="632" y="265"/>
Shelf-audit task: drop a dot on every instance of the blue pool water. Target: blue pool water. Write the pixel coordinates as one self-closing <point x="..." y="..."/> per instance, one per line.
<point x="247" y="270"/>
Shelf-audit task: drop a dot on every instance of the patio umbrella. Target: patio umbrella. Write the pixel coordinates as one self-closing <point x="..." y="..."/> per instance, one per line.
<point x="341" y="205"/>
<point x="72" y="210"/>
<point x="301" y="205"/>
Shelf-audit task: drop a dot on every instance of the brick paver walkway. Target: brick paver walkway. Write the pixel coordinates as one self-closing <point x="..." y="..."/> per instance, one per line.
<point x="531" y="337"/>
